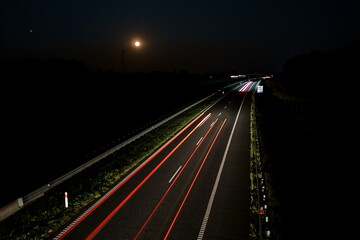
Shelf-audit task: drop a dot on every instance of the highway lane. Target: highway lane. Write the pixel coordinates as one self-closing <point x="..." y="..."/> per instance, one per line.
<point x="169" y="195"/>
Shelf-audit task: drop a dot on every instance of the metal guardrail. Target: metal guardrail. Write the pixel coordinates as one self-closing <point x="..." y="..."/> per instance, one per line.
<point x="261" y="188"/>
<point x="16" y="205"/>
<point x="40" y="191"/>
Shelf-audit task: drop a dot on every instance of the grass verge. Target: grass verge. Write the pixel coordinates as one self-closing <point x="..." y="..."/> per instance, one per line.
<point x="254" y="158"/>
<point x="260" y="209"/>
<point x="44" y="217"/>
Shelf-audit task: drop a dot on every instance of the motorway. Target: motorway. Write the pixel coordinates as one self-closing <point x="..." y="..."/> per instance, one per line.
<point x="196" y="186"/>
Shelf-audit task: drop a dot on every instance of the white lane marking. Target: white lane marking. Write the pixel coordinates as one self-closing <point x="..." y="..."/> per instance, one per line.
<point x="216" y="184"/>
<point x="177" y="171"/>
<point x="199" y="141"/>
<point x="212" y="124"/>
<point x="219" y="114"/>
<point x="202" y="121"/>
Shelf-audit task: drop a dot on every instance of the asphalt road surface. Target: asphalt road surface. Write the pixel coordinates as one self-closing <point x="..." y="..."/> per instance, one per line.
<point x="195" y="187"/>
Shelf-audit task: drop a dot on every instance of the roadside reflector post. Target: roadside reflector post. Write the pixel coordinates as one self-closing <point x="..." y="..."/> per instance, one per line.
<point x="261" y="211"/>
<point x="20" y="202"/>
<point x="66" y="200"/>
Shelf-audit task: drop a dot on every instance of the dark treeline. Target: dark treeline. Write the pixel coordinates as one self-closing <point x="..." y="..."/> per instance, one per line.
<point x="309" y="123"/>
<point x="325" y="88"/>
<point x="322" y="73"/>
<point x="54" y="69"/>
<point x="32" y="69"/>
<point x="321" y="90"/>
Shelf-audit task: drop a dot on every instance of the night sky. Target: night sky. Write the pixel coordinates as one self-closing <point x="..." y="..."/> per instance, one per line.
<point x="199" y="36"/>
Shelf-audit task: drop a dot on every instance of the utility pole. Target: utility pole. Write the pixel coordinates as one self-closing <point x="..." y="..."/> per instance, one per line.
<point x="123" y="60"/>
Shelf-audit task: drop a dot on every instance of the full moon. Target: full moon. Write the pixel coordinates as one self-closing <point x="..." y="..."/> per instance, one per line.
<point x="137" y="44"/>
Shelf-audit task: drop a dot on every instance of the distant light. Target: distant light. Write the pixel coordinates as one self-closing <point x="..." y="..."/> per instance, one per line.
<point x="137" y="44"/>
<point x="237" y="76"/>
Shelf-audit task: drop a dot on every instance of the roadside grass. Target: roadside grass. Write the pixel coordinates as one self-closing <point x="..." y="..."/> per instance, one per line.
<point x="254" y="157"/>
<point x="44" y="217"/>
<point x="260" y="179"/>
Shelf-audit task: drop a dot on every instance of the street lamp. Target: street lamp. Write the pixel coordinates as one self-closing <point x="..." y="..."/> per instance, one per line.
<point x="137" y="44"/>
<point x="123" y="60"/>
